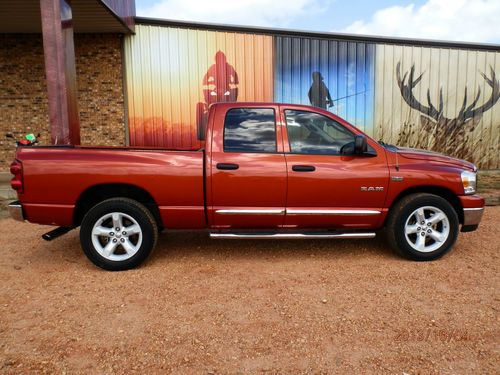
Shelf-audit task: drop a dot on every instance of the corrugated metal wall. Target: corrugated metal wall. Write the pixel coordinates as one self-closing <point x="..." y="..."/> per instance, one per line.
<point x="173" y="74"/>
<point x="346" y="69"/>
<point x="473" y="135"/>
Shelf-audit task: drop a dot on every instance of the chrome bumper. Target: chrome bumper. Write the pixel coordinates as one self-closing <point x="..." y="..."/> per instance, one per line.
<point x="473" y="216"/>
<point x="16" y="211"/>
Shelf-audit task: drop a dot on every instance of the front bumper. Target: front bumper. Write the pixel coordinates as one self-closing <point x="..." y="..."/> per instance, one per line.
<point x="473" y="208"/>
<point x="473" y="216"/>
<point x="16" y="211"/>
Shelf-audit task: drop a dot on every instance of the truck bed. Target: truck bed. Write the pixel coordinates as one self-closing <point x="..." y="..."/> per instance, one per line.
<point x="57" y="177"/>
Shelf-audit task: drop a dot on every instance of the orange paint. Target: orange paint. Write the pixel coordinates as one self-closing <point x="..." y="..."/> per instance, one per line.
<point x="173" y="76"/>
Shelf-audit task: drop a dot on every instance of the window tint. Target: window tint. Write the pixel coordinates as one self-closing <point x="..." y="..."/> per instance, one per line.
<point x="250" y="130"/>
<point x="312" y="133"/>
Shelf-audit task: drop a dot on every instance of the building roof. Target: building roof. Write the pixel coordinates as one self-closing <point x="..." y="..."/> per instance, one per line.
<point x="89" y="16"/>
<point x="314" y="34"/>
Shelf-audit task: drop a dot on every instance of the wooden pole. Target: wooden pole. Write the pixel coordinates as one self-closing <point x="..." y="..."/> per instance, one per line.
<point x="60" y="70"/>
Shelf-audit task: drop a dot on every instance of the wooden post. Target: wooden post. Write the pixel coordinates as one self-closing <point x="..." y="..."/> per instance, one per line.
<point x="60" y="69"/>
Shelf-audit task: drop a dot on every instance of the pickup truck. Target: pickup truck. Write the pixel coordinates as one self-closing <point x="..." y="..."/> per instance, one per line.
<point x="266" y="171"/>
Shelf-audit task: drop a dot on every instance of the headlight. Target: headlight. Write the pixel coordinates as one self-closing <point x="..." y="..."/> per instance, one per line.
<point x="469" y="182"/>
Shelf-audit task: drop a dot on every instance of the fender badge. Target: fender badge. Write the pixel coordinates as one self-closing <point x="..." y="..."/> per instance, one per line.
<point x="372" y="188"/>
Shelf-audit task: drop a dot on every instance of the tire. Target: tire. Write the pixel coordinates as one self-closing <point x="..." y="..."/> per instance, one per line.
<point x="404" y="227"/>
<point x="123" y="249"/>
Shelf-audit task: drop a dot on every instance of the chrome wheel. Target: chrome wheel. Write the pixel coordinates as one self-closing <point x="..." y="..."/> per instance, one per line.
<point x="427" y="229"/>
<point x="117" y="236"/>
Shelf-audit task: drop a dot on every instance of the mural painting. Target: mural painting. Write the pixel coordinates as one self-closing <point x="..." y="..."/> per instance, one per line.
<point x="319" y="95"/>
<point x="449" y="135"/>
<point x="329" y="74"/>
<point x="220" y="84"/>
<point x="173" y="75"/>
<point x="440" y="99"/>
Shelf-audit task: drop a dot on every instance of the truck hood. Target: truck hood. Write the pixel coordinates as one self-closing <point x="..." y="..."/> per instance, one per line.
<point x="412" y="153"/>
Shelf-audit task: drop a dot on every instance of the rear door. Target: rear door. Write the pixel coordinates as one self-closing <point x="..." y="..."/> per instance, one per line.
<point x="247" y="171"/>
<point x="327" y="189"/>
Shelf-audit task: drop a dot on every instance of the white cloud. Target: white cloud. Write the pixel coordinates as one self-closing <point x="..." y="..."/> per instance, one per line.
<point x="463" y="20"/>
<point x="271" y="13"/>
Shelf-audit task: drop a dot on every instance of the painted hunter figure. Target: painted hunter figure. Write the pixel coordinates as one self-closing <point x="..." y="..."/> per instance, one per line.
<point x="319" y="95"/>
<point x="219" y="85"/>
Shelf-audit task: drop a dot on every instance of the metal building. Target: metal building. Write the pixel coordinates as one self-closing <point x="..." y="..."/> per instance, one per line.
<point x="440" y="96"/>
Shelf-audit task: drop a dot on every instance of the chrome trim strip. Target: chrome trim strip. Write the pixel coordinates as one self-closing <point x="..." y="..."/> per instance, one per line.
<point x="290" y="236"/>
<point x="250" y="212"/>
<point x="334" y="212"/>
<point x="16" y="211"/>
<point x="473" y="216"/>
<point x="299" y="212"/>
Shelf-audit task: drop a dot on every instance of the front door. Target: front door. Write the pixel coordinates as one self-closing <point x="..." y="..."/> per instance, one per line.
<point x="247" y="169"/>
<point x="327" y="189"/>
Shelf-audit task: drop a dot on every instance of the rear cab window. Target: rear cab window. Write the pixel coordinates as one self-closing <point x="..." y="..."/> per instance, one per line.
<point x="250" y="130"/>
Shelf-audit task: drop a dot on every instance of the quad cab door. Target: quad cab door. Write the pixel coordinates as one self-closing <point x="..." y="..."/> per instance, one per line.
<point x="327" y="186"/>
<point x="246" y="171"/>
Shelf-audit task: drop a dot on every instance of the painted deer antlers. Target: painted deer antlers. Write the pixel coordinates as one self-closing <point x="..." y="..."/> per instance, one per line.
<point x="466" y="111"/>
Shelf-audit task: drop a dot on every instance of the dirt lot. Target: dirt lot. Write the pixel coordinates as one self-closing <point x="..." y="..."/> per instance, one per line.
<point x="208" y="306"/>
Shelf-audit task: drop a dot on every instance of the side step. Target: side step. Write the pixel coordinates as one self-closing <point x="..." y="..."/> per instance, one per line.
<point x="289" y="236"/>
<point x="58" y="232"/>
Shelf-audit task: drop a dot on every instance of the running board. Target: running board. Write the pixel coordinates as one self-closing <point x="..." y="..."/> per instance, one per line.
<point x="289" y="236"/>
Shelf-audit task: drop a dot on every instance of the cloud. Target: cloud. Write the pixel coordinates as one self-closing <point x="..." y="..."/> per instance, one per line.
<point x="270" y="13"/>
<point x="460" y="20"/>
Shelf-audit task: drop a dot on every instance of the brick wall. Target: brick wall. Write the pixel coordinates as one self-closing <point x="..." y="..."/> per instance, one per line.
<point x="23" y="93"/>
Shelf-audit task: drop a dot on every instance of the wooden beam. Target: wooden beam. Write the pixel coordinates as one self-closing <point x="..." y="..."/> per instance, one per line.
<point x="60" y="70"/>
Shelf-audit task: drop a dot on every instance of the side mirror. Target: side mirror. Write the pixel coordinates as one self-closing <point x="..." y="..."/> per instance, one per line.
<point x="360" y="145"/>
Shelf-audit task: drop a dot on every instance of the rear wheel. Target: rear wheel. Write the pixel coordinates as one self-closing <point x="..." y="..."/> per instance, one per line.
<point x="118" y="234"/>
<point x="422" y="227"/>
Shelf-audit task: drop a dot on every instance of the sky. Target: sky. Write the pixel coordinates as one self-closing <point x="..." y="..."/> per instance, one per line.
<point x="457" y="20"/>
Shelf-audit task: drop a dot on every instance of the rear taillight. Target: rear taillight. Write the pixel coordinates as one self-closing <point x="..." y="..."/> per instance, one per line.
<point x="16" y="168"/>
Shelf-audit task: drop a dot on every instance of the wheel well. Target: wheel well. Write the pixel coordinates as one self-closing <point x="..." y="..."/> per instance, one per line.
<point x="98" y="193"/>
<point x="445" y="193"/>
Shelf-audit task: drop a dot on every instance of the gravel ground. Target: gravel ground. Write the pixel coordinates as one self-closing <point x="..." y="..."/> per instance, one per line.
<point x="208" y="306"/>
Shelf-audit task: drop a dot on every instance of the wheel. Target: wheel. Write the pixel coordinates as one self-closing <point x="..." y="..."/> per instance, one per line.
<point x="422" y="226"/>
<point x="118" y="234"/>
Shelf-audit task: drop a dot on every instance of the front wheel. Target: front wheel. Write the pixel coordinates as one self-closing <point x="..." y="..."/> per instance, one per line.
<point x="422" y="227"/>
<point x="118" y="234"/>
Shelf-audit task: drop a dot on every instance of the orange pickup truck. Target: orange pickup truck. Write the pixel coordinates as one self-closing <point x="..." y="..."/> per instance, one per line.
<point x="266" y="171"/>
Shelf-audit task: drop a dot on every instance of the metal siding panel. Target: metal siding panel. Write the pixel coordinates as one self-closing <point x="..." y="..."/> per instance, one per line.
<point x="434" y="87"/>
<point x="452" y="70"/>
<point x="490" y="135"/>
<point x="360" y="87"/>
<point x="166" y="69"/>
<point x="495" y="162"/>
<point x="344" y="68"/>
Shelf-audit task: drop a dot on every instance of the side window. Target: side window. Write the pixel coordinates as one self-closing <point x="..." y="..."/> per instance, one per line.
<point x="312" y="133"/>
<point x="250" y="130"/>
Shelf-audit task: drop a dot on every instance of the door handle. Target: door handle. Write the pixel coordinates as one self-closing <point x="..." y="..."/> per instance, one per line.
<point x="303" y="168"/>
<point x="227" y="166"/>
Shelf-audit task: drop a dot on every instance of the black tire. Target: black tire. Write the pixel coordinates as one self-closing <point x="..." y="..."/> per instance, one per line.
<point x="127" y="209"/>
<point x="401" y="213"/>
